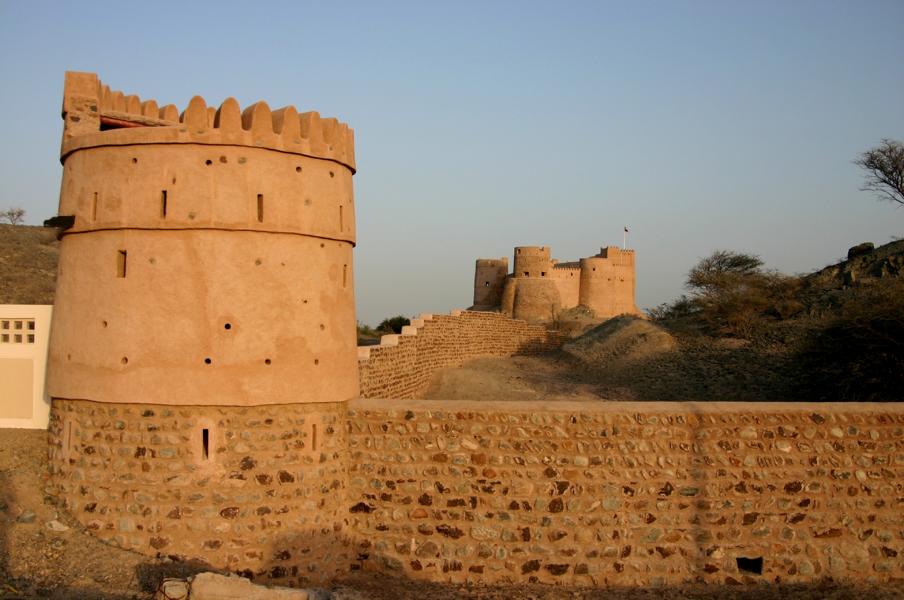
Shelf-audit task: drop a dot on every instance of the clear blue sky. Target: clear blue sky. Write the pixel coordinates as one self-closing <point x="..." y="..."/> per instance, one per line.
<point x="485" y="125"/>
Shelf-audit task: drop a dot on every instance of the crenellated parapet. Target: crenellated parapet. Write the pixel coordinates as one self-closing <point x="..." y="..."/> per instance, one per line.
<point x="131" y="164"/>
<point x="95" y="115"/>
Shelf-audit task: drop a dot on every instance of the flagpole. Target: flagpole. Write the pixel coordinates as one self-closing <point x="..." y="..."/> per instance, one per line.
<point x="625" y="238"/>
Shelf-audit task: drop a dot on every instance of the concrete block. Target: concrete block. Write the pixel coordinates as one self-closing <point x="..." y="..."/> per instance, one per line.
<point x="211" y="586"/>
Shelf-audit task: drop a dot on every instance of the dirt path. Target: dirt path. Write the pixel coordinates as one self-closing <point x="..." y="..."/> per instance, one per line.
<point x="42" y="552"/>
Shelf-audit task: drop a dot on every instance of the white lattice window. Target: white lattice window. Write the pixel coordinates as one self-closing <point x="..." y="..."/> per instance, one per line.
<point x="17" y="331"/>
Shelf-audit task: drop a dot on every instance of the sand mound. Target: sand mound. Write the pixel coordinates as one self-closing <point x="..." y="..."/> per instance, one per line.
<point x="623" y="339"/>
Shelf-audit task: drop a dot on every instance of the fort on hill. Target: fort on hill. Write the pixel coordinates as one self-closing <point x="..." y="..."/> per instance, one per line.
<point x="540" y="287"/>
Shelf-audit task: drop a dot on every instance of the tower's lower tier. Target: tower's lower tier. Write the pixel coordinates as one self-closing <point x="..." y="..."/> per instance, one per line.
<point x="249" y="489"/>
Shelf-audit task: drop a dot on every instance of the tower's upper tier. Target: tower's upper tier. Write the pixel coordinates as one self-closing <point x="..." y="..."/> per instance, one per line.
<point x="95" y="116"/>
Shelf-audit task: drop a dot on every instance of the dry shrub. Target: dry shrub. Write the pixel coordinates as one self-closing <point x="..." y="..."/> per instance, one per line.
<point x="732" y="295"/>
<point x="859" y="353"/>
<point x="393" y="324"/>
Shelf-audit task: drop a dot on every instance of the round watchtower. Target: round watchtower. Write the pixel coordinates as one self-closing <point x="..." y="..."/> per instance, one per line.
<point x="489" y="279"/>
<point x="203" y="339"/>
<point x="532" y="261"/>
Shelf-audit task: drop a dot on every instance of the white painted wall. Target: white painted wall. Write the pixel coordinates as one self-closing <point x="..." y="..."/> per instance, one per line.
<point x="23" y="363"/>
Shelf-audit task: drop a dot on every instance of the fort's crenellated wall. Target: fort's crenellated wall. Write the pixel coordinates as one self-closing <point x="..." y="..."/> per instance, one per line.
<point x="567" y="279"/>
<point x="628" y="494"/>
<point x="403" y="365"/>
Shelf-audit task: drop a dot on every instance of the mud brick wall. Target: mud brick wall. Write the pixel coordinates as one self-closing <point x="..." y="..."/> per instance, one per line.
<point x="263" y="501"/>
<point x="403" y="365"/>
<point x="631" y="494"/>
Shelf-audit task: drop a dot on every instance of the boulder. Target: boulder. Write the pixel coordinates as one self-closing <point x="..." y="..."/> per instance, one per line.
<point x="213" y="586"/>
<point x="860" y="249"/>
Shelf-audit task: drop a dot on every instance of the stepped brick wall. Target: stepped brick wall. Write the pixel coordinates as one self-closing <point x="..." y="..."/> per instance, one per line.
<point x="628" y="494"/>
<point x="403" y="365"/>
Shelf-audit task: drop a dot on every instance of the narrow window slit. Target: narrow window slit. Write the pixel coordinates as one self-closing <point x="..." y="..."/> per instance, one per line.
<point x="344" y="275"/>
<point x="341" y="222"/>
<point x="94" y="208"/>
<point x="205" y="443"/>
<point x="121" y="259"/>
<point x="314" y="436"/>
<point x="260" y="208"/>
<point x="163" y="204"/>
<point x="67" y="435"/>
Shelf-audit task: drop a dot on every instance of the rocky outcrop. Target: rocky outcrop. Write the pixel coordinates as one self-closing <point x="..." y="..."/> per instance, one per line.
<point x="864" y="262"/>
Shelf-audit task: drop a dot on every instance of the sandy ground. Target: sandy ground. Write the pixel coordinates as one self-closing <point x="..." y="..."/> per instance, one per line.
<point x="697" y="370"/>
<point x="547" y="378"/>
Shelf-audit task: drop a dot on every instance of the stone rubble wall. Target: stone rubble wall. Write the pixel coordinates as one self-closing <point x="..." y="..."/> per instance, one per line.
<point x="627" y="494"/>
<point x="403" y="365"/>
<point x="263" y="504"/>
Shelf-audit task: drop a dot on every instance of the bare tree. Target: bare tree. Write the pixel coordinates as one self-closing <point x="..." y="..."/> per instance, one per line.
<point x="884" y="166"/>
<point x="14" y="215"/>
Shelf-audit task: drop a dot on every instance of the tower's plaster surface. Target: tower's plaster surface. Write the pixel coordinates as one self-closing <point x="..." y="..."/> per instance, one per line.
<point x="210" y="258"/>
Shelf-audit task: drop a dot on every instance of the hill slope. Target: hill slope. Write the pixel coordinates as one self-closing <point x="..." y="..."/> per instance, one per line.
<point x="28" y="264"/>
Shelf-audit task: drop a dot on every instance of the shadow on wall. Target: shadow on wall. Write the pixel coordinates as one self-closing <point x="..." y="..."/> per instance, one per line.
<point x="386" y="587"/>
<point x="282" y="570"/>
<point x="7" y="501"/>
<point x="700" y="465"/>
<point x="292" y="559"/>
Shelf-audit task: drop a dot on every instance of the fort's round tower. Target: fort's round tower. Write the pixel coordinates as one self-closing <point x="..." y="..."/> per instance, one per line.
<point x="531" y="261"/>
<point x="203" y="339"/>
<point x="489" y="279"/>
